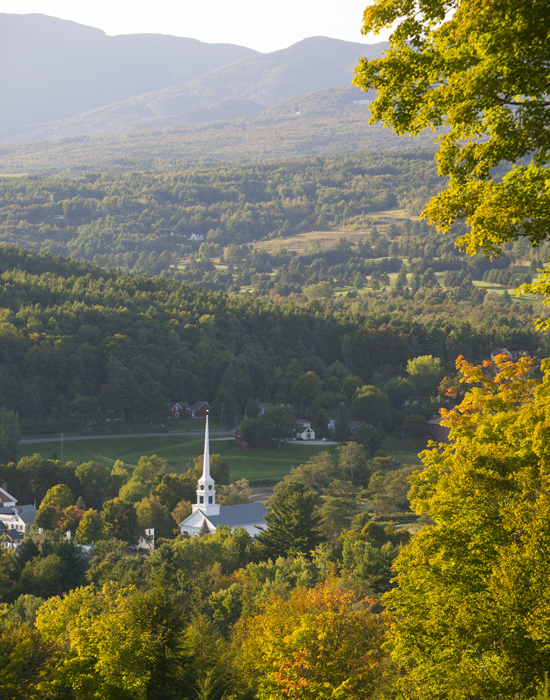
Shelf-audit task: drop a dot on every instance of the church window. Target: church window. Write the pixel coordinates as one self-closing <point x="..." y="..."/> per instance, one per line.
<point x="201" y="499"/>
<point x="210" y="499"/>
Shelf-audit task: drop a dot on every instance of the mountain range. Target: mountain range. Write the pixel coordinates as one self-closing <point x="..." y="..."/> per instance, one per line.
<point x="64" y="79"/>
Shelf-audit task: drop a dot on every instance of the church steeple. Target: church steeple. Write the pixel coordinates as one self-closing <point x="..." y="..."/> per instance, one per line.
<point x="206" y="488"/>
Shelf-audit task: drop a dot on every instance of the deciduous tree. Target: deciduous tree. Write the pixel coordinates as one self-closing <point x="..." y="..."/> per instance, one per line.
<point x="480" y="70"/>
<point x="9" y="435"/>
<point x="471" y="610"/>
<point x="120" y="520"/>
<point x="318" y="644"/>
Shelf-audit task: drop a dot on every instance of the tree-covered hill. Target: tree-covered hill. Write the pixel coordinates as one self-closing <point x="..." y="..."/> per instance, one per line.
<point x="246" y="87"/>
<point x="137" y="81"/>
<point x="92" y="344"/>
<point x="329" y="123"/>
<point x="144" y="213"/>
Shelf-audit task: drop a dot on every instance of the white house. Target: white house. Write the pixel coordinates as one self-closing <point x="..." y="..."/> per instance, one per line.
<point x="249" y="516"/>
<point x="14" y="517"/>
<point x="147" y="542"/>
<point x="9" y="539"/>
<point x="305" y="431"/>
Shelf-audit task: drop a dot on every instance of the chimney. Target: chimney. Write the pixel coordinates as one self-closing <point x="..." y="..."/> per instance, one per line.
<point x="5" y="486"/>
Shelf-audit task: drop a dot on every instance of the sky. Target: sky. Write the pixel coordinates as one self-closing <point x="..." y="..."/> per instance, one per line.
<point x="257" y="24"/>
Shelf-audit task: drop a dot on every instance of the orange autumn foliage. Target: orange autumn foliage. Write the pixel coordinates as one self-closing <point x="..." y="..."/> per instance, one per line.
<point x="320" y="643"/>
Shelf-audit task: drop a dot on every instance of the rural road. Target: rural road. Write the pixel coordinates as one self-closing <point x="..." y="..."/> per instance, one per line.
<point x="225" y="435"/>
<point x="229" y="436"/>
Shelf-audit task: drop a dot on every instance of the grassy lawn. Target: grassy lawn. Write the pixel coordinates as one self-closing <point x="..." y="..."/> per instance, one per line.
<point x="405" y="449"/>
<point x="261" y="467"/>
<point x="499" y="289"/>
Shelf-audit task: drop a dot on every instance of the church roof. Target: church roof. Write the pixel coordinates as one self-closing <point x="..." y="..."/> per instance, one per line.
<point x="243" y="514"/>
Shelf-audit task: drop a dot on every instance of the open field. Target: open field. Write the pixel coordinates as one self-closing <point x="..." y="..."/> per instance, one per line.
<point x="405" y="449"/>
<point x="391" y="214"/>
<point x="304" y="240"/>
<point x="266" y="466"/>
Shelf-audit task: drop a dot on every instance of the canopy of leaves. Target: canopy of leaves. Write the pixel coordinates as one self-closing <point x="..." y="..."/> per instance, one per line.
<point x="480" y="71"/>
<point x="318" y="643"/>
<point x="471" y="606"/>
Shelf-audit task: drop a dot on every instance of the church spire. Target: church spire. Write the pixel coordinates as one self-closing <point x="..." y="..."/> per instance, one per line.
<point x="206" y="488"/>
<point x="206" y="457"/>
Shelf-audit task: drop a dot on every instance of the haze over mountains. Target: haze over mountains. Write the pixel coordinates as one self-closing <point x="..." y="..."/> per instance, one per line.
<point x="61" y="78"/>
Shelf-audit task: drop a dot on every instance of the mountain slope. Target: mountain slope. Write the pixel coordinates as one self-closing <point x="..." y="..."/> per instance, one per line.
<point x="54" y="69"/>
<point x="240" y="89"/>
<point x="334" y="120"/>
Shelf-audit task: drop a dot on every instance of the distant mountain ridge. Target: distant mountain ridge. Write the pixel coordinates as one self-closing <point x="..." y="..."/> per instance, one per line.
<point x="54" y="69"/>
<point x="141" y="81"/>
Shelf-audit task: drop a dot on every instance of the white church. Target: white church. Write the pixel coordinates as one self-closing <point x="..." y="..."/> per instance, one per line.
<point x="249" y="516"/>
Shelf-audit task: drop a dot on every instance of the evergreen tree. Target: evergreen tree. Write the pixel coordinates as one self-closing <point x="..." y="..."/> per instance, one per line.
<point x="342" y="423"/>
<point x="293" y="523"/>
<point x="368" y="436"/>
<point x="9" y="435"/>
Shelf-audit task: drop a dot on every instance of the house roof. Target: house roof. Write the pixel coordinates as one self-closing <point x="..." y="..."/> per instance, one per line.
<point x="13" y="535"/>
<point x="26" y="513"/>
<point x="5" y="496"/>
<point x="173" y="404"/>
<point x="196" y="405"/>
<point x="501" y="351"/>
<point x="243" y="514"/>
<point x="7" y="510"/>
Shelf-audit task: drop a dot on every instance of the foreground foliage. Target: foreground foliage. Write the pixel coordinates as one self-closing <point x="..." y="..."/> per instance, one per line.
<point x="471" y="609"/>
<point x="318" y="644"/>
<point x="480" y="69"/>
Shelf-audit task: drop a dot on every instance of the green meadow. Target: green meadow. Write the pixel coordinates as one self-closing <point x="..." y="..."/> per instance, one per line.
<point x="260" y="467"/>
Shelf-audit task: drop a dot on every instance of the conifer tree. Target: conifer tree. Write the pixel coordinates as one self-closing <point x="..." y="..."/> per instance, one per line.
<point x="293" y="523"/>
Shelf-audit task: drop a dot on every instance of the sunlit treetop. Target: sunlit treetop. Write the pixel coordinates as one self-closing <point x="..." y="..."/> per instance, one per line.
<point x="479" y="71"/>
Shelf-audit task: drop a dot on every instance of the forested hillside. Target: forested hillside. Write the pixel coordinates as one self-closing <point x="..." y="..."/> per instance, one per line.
<point x="140" y="81"/>
<point x="94" y="344"/>
<point x="140" y="269"/>
<point x="331" y="123"/>
<point x="144" y="213"/>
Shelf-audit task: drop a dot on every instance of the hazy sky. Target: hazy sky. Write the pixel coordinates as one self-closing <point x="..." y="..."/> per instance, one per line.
<point x="258" y="24"/>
